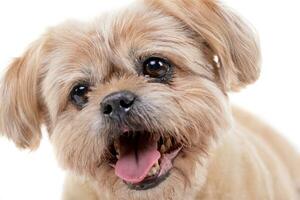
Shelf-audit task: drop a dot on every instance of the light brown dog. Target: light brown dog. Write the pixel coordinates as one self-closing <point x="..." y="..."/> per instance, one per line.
<point x="136" y="106"/>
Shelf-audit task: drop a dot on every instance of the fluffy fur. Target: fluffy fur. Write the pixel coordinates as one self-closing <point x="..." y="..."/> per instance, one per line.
<point x="227" y="153"/>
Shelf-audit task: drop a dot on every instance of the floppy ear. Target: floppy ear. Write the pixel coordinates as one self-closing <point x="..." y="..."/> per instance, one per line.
<point x="20" y="112"/>
<point x="229" y="38"/>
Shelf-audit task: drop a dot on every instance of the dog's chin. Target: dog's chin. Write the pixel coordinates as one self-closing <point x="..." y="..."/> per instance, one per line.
<point x="142" y="160"/>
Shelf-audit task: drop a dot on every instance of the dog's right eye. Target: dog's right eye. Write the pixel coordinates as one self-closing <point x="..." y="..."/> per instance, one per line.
<point x="78" y="95"/>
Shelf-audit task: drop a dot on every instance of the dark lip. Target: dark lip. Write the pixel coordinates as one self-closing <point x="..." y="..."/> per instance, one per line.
<point x="148" y="183"/>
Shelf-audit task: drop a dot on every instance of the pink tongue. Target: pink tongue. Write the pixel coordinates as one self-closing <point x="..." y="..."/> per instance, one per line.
<point x="136" y="160"/>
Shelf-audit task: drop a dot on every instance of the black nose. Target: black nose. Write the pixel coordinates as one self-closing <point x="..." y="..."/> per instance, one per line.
<point x="117" y="104"/>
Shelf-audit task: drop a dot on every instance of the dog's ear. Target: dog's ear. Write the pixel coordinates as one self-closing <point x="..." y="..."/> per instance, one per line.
<point x="229" y="38"/>
<point x="20" y="109"/>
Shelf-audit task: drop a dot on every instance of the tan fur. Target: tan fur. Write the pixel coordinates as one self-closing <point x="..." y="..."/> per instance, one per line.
<point x="76" y="188"/>
<point x="20" y="109"/>
<point x="247" y="166"/>
<point x="226" y="154"/>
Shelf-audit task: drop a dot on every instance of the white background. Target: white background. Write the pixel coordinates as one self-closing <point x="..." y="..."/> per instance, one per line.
<point x="275" y="97"/>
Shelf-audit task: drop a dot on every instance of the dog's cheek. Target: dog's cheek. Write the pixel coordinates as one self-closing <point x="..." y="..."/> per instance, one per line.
<point x="195" y="110"/>
<point x="78" y="143"/>
<point x="191" y="109"/>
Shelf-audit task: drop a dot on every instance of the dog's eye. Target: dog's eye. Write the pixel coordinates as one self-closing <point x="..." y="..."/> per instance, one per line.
<point x="156" y="67"/>
<point x="78" y="95"/>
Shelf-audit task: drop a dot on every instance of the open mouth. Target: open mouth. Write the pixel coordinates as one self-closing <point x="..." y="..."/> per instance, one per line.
<point x="142" y="160"/>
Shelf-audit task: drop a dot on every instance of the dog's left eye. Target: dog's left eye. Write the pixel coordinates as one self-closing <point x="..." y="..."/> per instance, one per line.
<point x="78" y="95"/>
<point x="156" y="67"/>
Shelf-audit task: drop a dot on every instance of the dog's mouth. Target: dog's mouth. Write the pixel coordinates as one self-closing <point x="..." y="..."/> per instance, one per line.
<point x="142" y="160"/>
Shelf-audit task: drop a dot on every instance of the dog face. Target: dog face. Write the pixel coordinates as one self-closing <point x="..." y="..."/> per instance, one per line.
<point x="133" y="101"/>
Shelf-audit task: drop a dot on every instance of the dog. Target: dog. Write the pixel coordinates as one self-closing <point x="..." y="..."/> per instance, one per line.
<point x="136" y="106"/>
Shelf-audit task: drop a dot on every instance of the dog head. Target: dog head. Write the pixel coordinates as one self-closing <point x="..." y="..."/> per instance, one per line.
<point x="134" y="100"/>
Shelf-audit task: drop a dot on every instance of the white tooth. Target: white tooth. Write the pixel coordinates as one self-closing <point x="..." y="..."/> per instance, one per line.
<point x="152" y="172"/>
<point x="118" y="151"/>
<point x="154" y="169"/>
<point x="149" y="173"/>
<point x="163" y="149"/>
<point x="168" y="143"/>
